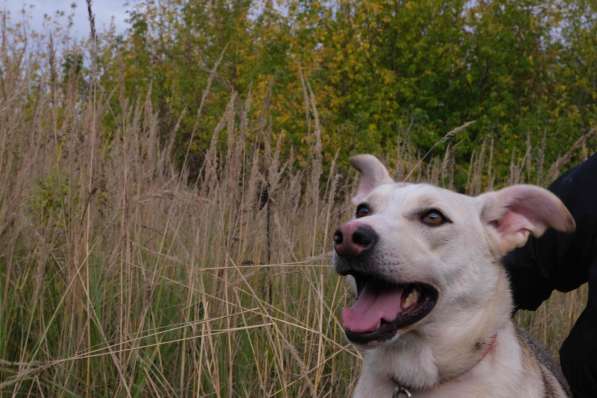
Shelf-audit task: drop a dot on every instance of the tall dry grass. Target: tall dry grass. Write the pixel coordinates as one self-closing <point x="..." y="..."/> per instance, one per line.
<point x="123" y="276"/>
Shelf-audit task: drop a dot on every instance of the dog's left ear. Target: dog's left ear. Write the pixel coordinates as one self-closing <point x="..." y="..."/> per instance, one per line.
<point x="515" y="212"/>
<point x="373" y="174"/>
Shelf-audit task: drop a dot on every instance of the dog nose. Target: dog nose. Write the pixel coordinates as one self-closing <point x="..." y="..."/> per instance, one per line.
<point x="353" y="239"/>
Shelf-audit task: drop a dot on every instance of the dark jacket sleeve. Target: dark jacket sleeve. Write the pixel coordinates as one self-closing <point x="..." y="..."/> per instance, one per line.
<point x="530" y="283"/>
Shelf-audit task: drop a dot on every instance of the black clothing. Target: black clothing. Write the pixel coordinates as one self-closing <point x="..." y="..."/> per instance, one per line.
<point x="563" y="262"/>
<point x="578" y="354"/>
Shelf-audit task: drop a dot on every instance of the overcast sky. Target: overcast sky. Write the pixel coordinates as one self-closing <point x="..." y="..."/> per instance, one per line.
<point x="105" y="11"/>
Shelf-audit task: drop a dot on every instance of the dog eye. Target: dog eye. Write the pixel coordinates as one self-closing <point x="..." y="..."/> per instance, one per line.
<point x="433" y="218"/>
<point x="363" y="210"/>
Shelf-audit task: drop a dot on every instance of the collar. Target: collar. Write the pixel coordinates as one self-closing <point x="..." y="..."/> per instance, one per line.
<point x="489" y="346"/>
<point x="401" y="391"/>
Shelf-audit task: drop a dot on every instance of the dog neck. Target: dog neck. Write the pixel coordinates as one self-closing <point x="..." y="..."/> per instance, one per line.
<point x="472" y="335"/>
<point x="489" y="346"/>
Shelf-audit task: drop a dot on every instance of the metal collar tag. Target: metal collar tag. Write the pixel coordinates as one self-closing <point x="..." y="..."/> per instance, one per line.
<point x="400" y="392"/>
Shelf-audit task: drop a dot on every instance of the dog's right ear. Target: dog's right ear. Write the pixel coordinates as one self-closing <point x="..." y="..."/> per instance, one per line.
<point x="373" y="174"/>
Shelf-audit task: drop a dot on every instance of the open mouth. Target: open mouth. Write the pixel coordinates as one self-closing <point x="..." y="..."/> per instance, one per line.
<point x="382" y="308"/>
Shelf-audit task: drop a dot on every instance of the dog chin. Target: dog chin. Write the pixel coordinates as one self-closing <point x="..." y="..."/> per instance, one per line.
<point x="371" y="345"/>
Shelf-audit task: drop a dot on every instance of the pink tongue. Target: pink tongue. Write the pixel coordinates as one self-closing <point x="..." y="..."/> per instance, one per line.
<point x="371" y="307"/>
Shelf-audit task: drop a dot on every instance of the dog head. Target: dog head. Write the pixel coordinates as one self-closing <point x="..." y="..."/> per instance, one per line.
<point x="420" y="254"/>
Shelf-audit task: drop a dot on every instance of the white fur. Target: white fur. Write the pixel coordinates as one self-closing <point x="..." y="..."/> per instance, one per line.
<point x="439" y="355"/>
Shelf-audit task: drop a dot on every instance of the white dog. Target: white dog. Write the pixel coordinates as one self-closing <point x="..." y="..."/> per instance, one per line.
<point x="433" y="309"/>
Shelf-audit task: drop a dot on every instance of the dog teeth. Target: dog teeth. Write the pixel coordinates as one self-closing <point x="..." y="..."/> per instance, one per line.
<point x="411" y="299"/>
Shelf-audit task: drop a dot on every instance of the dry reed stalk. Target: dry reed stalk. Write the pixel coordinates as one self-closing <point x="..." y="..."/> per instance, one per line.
<point x="448" y="136"/>
<point x="555" y="168"/>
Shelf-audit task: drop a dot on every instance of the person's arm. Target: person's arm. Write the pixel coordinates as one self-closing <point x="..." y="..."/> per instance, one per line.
<point x="530" y="283"/>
